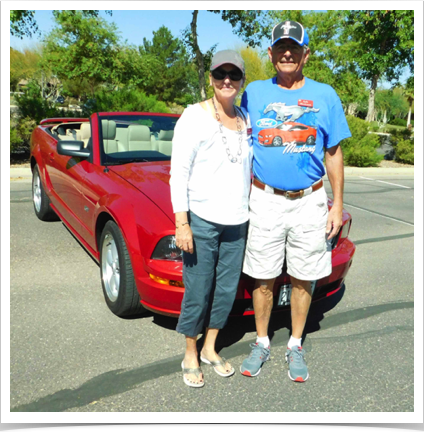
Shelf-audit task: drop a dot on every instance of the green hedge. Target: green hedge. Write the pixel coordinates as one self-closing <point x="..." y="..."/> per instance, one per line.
<point x="398" y="122"/>
<point x="405" y="151"/>
<point x="20" y="134"/>
<point x="403" y="144"/>
<point x="360" y="149"/>
<point x="125" y="99"/>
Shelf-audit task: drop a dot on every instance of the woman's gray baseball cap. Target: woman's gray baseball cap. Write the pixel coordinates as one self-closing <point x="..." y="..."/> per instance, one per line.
<point x="227" y="56"/>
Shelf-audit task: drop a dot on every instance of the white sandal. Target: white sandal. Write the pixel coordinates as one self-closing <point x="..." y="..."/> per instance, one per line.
<point x="195" y="371"/>
<point x="216" y="363"/>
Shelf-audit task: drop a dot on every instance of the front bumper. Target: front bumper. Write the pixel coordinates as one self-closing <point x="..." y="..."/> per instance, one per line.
<point x="166" y="299"/>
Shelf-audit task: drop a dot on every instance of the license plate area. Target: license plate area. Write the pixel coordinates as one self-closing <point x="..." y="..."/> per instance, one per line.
<point x="284" y="295"/>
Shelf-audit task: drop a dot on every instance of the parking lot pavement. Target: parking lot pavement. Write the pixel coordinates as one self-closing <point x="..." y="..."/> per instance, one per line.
<point x="68" y="353"/>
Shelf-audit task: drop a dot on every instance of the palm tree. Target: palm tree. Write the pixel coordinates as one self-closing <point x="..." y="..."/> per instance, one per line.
<point x="409" y="94"/>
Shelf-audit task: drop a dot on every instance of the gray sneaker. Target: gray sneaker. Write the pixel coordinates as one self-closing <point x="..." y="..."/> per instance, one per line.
<point x="298" y="371"/>
<point x="252" y="365"/>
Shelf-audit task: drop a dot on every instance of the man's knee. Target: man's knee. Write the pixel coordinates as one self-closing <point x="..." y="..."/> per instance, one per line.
<point x="265" y="286"/>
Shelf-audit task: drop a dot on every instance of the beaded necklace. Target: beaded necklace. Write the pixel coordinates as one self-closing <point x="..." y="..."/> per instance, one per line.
<point x="231" y="157"/>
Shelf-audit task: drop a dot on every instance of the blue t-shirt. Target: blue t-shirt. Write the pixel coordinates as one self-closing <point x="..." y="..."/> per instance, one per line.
<point x="290" y="129"/>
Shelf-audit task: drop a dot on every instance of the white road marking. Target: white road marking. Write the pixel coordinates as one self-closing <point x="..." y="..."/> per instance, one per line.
<point x="381" y="181"/>
<point x="377" y="214"/>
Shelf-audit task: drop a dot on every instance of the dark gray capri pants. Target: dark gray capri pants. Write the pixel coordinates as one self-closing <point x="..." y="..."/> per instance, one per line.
<point x="211" y="275"/>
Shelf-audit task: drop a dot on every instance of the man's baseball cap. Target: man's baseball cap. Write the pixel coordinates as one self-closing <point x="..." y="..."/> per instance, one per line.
<point x="291" y="30"/>
<point x="227" y="56"/>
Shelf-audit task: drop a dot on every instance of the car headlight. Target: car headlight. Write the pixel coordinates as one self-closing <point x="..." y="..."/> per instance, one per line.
<point x="343" y="233"/>
<point x="346" y="229"/>
<point x="166" y="249"/>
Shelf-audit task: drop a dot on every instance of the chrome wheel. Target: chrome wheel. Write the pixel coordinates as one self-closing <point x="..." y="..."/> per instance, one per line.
<point x="277" y="141"/>
<point x="110" y="267"/>
<point x="310" y="140"/>
<point x="36" y="190"/>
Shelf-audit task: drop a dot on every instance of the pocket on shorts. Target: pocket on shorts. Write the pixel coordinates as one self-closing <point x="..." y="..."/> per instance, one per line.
<point x="262" y="215"/>
<point x="317" y="213"/>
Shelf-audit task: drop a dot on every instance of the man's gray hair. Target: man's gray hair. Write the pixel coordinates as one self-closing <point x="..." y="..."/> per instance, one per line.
<point x="305" y="48"/>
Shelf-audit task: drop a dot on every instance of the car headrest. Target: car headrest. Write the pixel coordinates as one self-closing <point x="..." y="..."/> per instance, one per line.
<point x="108" y="129"/>
<point x="85" y="131"/>
<point x="166" y="135"/>
<point x="138" y="133"/>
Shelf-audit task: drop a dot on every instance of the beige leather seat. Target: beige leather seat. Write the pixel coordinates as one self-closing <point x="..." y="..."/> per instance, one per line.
<point x="164" y="142"/>
<point x="110" y="144"/>
<point x="84" y="133"/>
<point x="139" y="138"/>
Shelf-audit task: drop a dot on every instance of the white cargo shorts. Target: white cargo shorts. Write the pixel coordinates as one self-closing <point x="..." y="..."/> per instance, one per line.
<point x="294" y="229"/>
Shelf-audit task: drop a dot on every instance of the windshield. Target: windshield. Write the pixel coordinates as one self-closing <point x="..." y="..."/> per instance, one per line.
<point x="136" y="137"/>
<point x="284" y="126"/>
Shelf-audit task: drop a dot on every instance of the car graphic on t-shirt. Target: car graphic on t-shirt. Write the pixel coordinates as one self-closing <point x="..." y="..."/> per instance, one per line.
<point x="287" y="133"/>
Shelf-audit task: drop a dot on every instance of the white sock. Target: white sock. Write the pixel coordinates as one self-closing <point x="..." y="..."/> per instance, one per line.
<point x="264" y="341"/>
<point x="294" y="342"/>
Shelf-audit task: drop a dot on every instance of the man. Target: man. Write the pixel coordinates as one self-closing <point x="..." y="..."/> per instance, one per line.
<point x="294" y="120"/>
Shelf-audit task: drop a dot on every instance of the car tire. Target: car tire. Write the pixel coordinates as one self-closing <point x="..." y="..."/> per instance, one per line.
<point x="117" y="275"/>
<point x="310" y="140"/>
<point x="277" y="141"/>
<point x="40" y="199"/>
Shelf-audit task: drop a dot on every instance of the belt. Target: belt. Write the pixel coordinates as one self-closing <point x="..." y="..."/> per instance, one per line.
<point x="288" y="194"/>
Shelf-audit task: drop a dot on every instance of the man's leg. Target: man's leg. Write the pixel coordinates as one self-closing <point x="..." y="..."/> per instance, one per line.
<point x="262" y="304"/>
<point x="300" y="302"/>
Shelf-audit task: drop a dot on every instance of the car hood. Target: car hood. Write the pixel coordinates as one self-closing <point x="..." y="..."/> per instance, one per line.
<point x="152" y="179"/>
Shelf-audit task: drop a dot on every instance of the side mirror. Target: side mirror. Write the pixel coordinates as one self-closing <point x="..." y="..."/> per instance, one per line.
<point x="72" y="148"/>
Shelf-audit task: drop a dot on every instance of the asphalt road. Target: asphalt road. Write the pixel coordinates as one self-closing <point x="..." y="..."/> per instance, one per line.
<point x="68" y="353"/>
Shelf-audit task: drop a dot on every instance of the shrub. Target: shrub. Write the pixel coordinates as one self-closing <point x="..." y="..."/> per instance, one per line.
<point x="404" y="152"/>
<point x="123" y="100"/>
<point x="175" y="108"/>
<point x="362" y="153"/>
<point x="359" y="150"/>
<point x="398" y="122"/>
<point x="20" y="135"/>
<point x="358" y="128"/>
<point x="32" y="105"/>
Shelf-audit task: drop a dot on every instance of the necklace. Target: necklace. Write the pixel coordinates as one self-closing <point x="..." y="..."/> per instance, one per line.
<point x="231" y="157"/>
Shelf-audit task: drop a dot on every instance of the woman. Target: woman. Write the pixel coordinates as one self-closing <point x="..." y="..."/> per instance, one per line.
<point x="210" y="183"/>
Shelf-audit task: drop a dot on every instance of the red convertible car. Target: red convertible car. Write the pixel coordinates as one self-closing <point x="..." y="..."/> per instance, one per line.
<point x="288" y="132"/>
<point x="107" y="179"/>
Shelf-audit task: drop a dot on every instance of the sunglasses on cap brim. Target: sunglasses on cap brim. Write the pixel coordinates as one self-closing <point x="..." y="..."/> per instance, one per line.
<point x="234" y="74"/>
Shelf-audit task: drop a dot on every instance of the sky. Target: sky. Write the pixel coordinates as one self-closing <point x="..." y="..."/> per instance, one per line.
<point x="136" y="25"/>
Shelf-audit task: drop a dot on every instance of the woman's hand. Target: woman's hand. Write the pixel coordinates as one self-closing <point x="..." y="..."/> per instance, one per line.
<point x="183" y="233"/>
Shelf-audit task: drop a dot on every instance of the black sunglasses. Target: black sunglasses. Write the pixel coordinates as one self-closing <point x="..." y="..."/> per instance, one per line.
<point x="234" y="74"/>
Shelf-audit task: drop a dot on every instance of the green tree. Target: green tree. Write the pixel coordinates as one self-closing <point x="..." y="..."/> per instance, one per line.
<point x="390" y="104"/>
<point x="22" y="23"/>
<point x="133" y="69"/>
<point x="171" y="75"/>
<point x="82" y="46"/>
<point x="256" y="65"/>
<point x="383" y="45"/>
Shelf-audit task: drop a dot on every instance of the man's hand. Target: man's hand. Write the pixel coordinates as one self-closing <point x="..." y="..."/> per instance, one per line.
<point x="334" y="222"/>
<point x="335" y="173"/>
